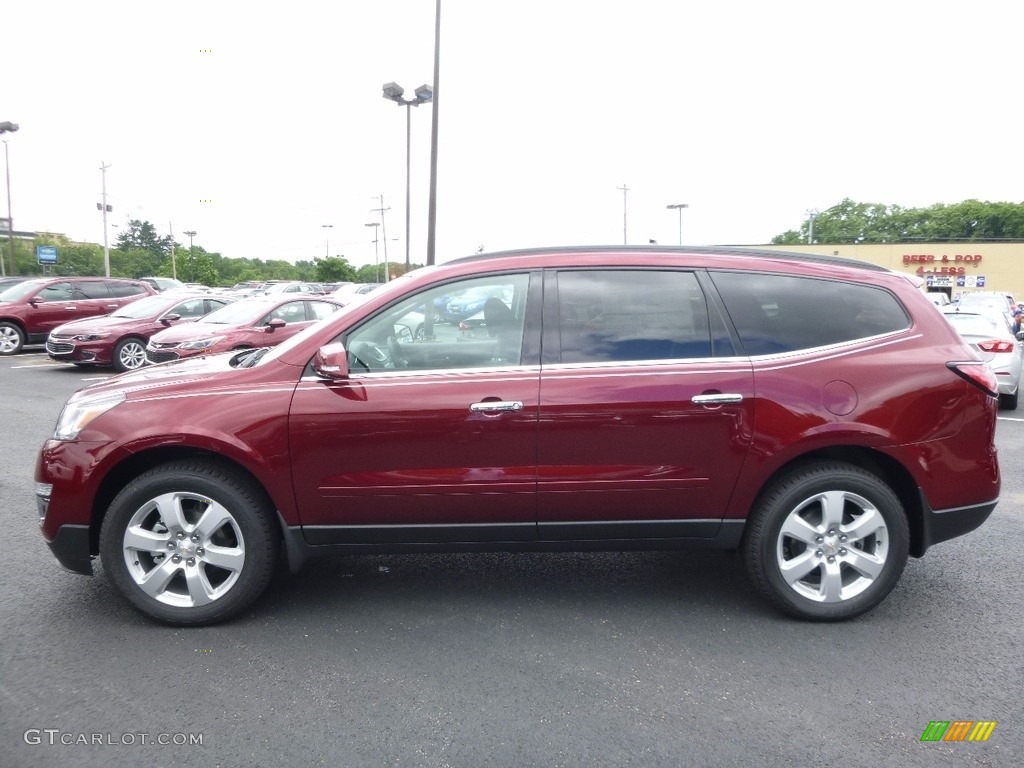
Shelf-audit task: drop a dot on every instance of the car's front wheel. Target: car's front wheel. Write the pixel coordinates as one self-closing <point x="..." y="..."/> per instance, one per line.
<point x="190" y="542"/>
<point x="129" y="354"/>
<point x="827" y="541"/>
<point x="12" y="339"/>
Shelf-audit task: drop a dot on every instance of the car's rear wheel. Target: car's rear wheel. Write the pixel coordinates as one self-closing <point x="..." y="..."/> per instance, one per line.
<point x="12" y="339"/>
<point x="190" y="543"/>
<point x="129" y="354"/>
<point x="827" y="541"/>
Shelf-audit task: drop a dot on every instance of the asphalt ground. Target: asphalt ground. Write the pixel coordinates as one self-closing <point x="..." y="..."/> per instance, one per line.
<point x="636" y="659"/>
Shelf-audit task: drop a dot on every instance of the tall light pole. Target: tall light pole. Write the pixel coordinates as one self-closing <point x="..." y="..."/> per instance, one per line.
<point x="432" y="204"/>
<point x="424" y="94"/>
<point x="679" y="207"/>
<point x="327" y="228"/>
<point x="105" y="209"/>
<point x="191" y="263"/>
<point x="376" y="257"/>
<point x="8" y="127"/>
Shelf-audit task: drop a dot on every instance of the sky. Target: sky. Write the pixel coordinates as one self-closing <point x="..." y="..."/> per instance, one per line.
<point x="256" y="124"/>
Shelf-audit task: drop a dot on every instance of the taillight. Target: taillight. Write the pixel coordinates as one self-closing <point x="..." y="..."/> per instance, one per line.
<point x="978" y="374"/>
<point x="996" y="345"/>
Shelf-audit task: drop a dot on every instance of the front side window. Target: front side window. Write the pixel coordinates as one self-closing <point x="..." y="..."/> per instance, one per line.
<point x="189" y="308"/>
<point x="607" y="316"/>
<point x="56" y="292"/>
<point x="474" y="323"/>
<point x="783" y="313"/>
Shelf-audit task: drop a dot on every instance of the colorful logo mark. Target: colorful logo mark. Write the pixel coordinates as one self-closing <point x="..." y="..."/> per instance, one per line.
<point x="958" y="730"/>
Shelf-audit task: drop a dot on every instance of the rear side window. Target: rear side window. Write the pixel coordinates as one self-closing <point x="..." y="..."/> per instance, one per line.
<point x="630" y="315"/>
<point x="90" y="289"/>
<point x="782" y="313"/>
<point x="122" y="289"/>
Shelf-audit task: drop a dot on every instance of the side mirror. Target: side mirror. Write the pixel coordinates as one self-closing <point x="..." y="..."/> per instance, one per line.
<point x="331" y="362"/>
<point x="275" y="323"/>
<point x="34" y="301"/>
<point x="1020" y="335"/>
<point x="168" y="319"/>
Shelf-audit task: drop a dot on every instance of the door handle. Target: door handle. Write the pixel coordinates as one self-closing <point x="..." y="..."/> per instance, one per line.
<point x="492" y="406"/>
<point x="718" y="399"/>
<point x="70" y="309"/>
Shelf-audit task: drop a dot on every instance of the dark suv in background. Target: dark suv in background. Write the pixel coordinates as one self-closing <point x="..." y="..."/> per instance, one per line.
<point x="815" y="413"/>
<point x="33" y="308"/>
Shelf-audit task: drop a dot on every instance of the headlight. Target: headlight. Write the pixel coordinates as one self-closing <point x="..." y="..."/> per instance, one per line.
<point x="92" y="336"/>
<point x="206" y="343"/>
<point x="77" y="415"/>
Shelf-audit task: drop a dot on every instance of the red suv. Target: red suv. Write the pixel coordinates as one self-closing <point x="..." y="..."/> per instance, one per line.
<point x="815" y="413"/>
<point x="33" y="308"/>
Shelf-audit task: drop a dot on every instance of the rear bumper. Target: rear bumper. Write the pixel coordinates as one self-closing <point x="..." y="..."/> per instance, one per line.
<point x="945" y="524"/>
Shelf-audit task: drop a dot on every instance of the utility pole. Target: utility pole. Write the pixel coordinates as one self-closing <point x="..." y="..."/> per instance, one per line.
<point x="812" y="214"/>
<point x="624" y="189"/>
<point x="174" y="265"/>
<point x="104" y="208"/>
<point x="384" y="236"/>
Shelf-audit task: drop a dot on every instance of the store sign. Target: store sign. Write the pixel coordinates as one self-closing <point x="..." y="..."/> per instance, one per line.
<point x="930" y="264"/>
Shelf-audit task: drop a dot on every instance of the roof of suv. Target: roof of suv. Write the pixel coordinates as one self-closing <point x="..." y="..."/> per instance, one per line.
<point x="677" y="250"/>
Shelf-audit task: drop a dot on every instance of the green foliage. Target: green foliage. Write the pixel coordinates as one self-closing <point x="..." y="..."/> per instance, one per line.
<point x="140" y="252"/>
<point x="972" y="220"/>
<point x="141" y="235"/>
<point x="335" y="269"/>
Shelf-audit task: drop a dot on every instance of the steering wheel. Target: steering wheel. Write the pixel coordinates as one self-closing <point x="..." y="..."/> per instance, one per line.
<point x="369" y="356"/>
<point x="395" y="350"/>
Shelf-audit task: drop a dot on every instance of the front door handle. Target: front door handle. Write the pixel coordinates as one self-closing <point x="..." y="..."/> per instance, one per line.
<point x="492" y="406"/>
<point x="717" y="399"/>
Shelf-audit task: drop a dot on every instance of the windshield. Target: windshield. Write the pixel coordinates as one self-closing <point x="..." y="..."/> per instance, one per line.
<point x="20" y="291"/>
<point x="147" y="307"/>
<point x="239" y="313"/>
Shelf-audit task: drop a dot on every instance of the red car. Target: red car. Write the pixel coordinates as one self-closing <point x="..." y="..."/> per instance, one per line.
<point x="33" y="308"/>
<point x="119" y="339"/>
<point x="815" y="413"/>
<point x="258" y="321"/>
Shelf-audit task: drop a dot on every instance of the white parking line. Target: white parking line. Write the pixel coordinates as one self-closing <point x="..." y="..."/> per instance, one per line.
<point x="1009" y="418"/>
<point x="41" y="365"/>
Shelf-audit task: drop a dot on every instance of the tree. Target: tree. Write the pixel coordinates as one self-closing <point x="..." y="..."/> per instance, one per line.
<point x="335" y="269"/>
<point x="850" y="222"/>
<point x="142" y="235"/>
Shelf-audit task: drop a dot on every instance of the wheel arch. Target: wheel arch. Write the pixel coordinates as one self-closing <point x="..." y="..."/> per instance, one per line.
<point x="137" y="463"/>
<point x="887" y="469"/>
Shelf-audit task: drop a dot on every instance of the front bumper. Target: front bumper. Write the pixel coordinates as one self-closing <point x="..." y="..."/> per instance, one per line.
<point x="71" y="548"/>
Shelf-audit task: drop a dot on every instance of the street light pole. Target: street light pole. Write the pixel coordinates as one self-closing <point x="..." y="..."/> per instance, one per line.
<point x="424" y="94"/>
<point x="8" y="127"/>
<point x="376" y="256"/>
<point x="679" y="207"/>
<point x="191" y="254"/>
<point x="328" y="246"/>
<point x="432" y="203"/>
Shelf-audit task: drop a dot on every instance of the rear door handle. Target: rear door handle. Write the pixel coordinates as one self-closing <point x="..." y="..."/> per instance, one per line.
<point x="491" y="406"/>
<point x="719" y="399"/>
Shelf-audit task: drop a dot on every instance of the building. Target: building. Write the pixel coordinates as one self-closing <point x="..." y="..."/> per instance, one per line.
<point x="953" y="268"/>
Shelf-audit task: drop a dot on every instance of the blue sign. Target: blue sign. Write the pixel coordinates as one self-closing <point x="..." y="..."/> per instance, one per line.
<point x="46" y="254"/>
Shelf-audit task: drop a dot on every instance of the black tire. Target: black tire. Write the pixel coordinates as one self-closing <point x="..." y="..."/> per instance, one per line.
<point x="843" y="553"/>
<point x="1009" y="402"/>
<point x="129" y="354"/>
<point x="12" y="339"/>
<point x="222" y="565"/>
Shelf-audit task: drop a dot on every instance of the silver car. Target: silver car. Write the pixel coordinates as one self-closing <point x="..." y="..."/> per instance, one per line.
<point x="990" y="334"/>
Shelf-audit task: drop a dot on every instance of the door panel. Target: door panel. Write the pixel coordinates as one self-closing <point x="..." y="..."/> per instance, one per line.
<point x="642" y="432"/>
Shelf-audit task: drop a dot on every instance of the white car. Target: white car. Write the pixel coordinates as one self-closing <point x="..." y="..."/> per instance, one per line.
<point x="988" y="332"/>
